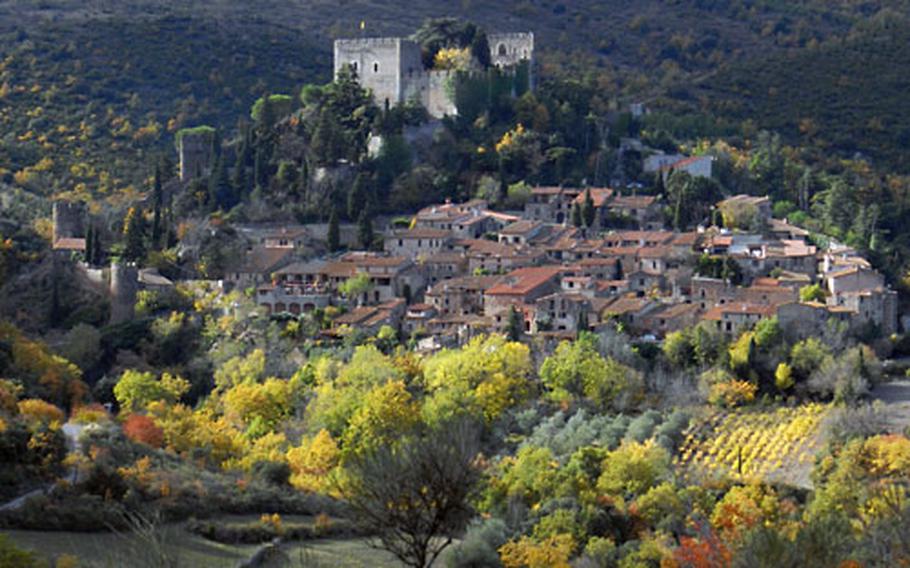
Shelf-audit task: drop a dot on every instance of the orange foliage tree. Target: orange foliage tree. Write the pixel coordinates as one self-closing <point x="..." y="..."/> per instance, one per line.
<point x="142" y="429"/>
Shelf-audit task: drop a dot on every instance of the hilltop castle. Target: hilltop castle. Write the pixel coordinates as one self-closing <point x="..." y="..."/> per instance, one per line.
<point x="392" y="68"/>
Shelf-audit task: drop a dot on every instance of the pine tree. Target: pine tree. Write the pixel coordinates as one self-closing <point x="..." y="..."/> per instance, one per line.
<point x="365" y="229"/>
<point x="588" y="212"/>
<point x="334" y="236"/>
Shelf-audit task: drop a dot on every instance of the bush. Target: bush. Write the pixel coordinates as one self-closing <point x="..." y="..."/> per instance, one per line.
<point x="479" y="547"/>
<point x="272" y="472"/>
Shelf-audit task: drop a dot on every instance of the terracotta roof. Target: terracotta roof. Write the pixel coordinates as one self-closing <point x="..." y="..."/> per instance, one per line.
<point x="677" y="310"/>
<point x="420" y="233"/>
<point x="633" y="201"/>
<point x="717" y="312"/>
<point x="684" y="162"/>
<point x="260" y="260"/>
<point x="523" y="280"/>
<point x="625" y="305"/>
<point x="521" y="227"/>
<point x="476" y="283"/>
<point x="599" y="195"/>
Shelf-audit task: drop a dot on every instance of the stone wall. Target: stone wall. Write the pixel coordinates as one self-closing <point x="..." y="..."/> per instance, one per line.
<point x="196" y="154"/>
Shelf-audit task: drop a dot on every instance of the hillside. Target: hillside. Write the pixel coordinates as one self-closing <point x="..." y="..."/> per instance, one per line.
<point x="846" y="96"/>
<point x="105" y="84"/>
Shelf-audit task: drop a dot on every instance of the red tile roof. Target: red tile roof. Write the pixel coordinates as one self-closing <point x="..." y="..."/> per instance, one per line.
<point x="523" y="280"/>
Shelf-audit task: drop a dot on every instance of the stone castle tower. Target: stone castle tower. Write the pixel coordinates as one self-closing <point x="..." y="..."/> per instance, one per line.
<point x="195" y="148"/>
<point x="392" y="68"/>
<point x="69" y="220"/>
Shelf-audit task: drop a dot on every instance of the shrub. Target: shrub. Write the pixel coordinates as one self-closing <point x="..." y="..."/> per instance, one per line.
<point x="732" y="393"/>
<point x="37" y="411"/>
<point x="272" y="472"/>
<point x="142" y="429"/>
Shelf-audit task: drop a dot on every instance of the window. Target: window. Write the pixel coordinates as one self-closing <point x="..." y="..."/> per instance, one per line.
<point x="502" y="49"/>
<point x="376" y="67"/>
<point x="354" y="65"/>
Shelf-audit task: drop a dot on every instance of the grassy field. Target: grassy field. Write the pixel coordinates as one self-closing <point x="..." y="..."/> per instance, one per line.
<point x="108" y="550"/>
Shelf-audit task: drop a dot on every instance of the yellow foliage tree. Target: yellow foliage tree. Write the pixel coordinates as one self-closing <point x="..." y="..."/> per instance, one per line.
<point x="553" y="552"/>
<point x="453" y="58"/>
<point x="387" y="413"/>
<point x="313" y="461"/>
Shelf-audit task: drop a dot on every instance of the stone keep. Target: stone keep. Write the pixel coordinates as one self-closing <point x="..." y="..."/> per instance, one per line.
<point x="69" y="220"/>
<point x="392" y="68"/>
<point x="195" y="149"/>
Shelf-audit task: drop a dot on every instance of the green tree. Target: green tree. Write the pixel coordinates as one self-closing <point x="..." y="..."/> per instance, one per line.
<point x="515" y="326"/>
<point x="365" y="229"/>
<point x="134" y="235"/>
<point x="578" y="370"/>
<point x="135" y="389"/>
<point x="588" y="211"/>
<point x="356" y="286"/>
<point x="812" y="293"/>
<point x="157" y="205"/>
<point x="334" y="236"/>
<point x="221" y="190"/>
<point x="577" y="218"/>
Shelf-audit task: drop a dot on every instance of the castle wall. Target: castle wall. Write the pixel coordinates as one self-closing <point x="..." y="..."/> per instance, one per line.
<point x="439" y="103"/>
<point x="510" y="49"/>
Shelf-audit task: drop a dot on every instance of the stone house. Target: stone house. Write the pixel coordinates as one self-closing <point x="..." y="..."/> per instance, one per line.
<point x="460" y="296"/>
<point x="562" y="311"/>
<point x="630" y="310"/>
<point x="551" y="204"/>
<point x="669" y="318"/>
<point x="416" y="243"/>
<point x="520" y="287"/>
<point x="736" y="317"/>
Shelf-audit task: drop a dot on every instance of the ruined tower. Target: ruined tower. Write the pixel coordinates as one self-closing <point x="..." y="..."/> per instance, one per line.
<point x="196" y="151"/>
<point x="69" y="220"/>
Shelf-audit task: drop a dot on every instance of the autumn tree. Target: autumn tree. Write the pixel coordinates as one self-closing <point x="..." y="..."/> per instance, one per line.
<point x="577" y="370"/>
<point x="142" y="429"/>
<point x="136" y="389"/>
<point x="416" y="495"/>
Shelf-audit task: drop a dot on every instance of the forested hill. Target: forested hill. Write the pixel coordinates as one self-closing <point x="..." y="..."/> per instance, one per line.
<point x="102" y="84"/>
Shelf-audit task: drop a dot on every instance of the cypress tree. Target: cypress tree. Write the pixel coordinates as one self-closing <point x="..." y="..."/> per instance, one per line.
<point x="89" y="244"/>
<point x="358" y="197"/>
<point x="576" y="215"/>
<point x="588" y="212"/>
<point x="134" y="234"/>
<point x="515" y="325"/>
<point x="365" y="229"/>
<point x="221" y="190"/>
<point x="157" y="204"/>
<point x="334" y="236"/>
